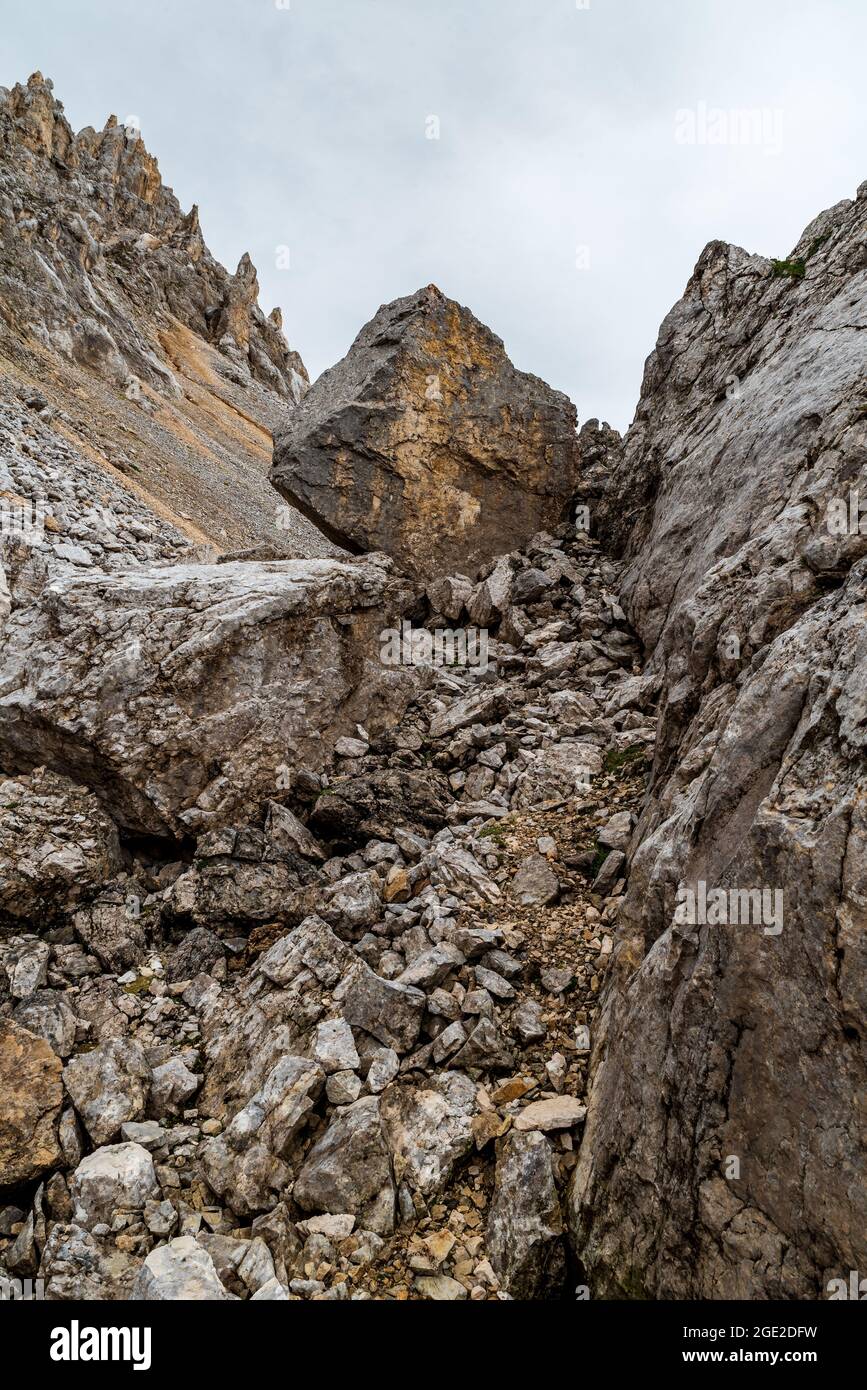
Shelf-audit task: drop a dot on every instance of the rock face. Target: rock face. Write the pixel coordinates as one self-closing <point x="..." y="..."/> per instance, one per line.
<point x="723" y="1154"/>
<point x="143" y="356"/>
<point x="223" y="676"/>
<point x="426" y="443"/>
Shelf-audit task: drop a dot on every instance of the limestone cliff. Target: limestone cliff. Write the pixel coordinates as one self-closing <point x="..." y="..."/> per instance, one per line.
<point x="748" y="589"/>
<point x="152" y="361"/>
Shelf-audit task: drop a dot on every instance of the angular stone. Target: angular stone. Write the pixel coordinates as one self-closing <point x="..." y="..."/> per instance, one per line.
<point x="448" y="1041"/>
<point x="312" y="945"/>
<point x="31" y="1097"/>
<point x="196" y="954"/>
<point x="343" y="1087"/>
<point x="334" y="1046"/>
<point x="560" y="1112"/>
<point x="271" y="1292"/>
<point x="425" y="442"/>
<point x="113" y="928"/>
<point x="119" y="1176"/>
<point x="277" y="1111"/>
<point x="479" y="707"/>
<point x="350" y="747"/>
<point x="527" y="1022"/>
<point x="558" y="773"/>
<point x="349" y="1169"/>
<point x="383" y="1069"/>
<point x="181" y="1270"/>
<point x="441" y="1288"/>
<point x="390" y="1012"/>
<point x="535" y="883"/>
<point x="484" y="1049"/>
<point x="612" y="869"/>
<point x="354" y="901"/>
<point x="285" y="831"/>
<point x="173" y="1085"/>
<point x="108" y="1086"/>
<point x="397" y="885"/>
<point x="617" y="832"/>
<point x="48" y="1015"/>
<point x="556" y="979"/>
<point x="494" y="984"/>
<point x="462" y="874"/>
<point x="432" y="967"/>
<point x="429" y="1129"/>
<point x="25" y="964"/>
<point x="450" y="595"/>
<point x="357" y="809"/>
<point x="525" y="1228"/>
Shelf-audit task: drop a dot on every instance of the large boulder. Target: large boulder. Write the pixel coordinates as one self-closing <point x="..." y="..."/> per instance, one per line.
<point x="109" y="1086"/>
<point x="426" y="443"/>
<point x="57" y="846"/>
<point x="184" y="693"/>
<point x="31" y="1095"/>
<point x="246" y="1164"/>
<point x="390" y="1012"/>
<point x="723" y="1152"/>
<point x="356" y="809"/>
<point x="349" y="1169"/>
<point x="429" y="1128"/>
<point x="114" y="927"/>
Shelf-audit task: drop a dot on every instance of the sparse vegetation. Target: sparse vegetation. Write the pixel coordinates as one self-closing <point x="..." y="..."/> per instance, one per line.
<point x="796" y="268"/>
<point x="617" y="758"/>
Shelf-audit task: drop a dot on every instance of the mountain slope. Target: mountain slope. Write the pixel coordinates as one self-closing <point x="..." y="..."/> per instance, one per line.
<point x="150" y="358"/>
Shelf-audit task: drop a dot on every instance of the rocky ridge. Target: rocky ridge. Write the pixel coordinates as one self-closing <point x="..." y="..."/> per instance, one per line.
<point x="142" y="356"/>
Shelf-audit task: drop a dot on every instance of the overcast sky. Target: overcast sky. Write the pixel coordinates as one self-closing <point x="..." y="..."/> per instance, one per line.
<point x="565" y="200"/>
